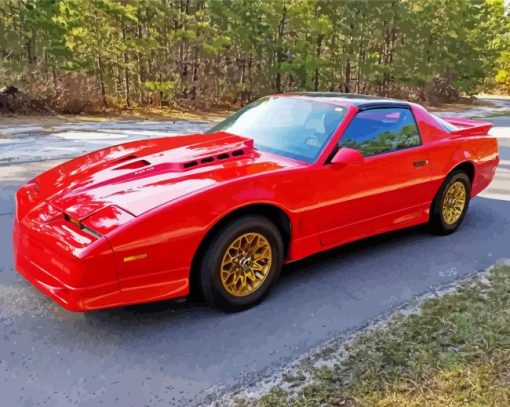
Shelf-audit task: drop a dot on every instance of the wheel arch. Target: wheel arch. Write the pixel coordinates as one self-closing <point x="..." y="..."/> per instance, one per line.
<point x="468" y="167"/>
<point x="274" y="213"/>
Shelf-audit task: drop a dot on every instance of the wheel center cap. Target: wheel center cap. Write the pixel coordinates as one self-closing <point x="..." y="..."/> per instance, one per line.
<point x="245" y="262"/>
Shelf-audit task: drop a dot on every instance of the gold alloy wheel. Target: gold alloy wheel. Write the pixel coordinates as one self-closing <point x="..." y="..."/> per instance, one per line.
<point x="246" y="264"/>
<point x="454" y="201"/>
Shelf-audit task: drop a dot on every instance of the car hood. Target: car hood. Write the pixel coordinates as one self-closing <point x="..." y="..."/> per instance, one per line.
<point x="142" y="175"/>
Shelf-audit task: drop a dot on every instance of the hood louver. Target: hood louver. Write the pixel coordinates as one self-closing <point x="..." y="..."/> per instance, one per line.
<point x="212" y="159"/>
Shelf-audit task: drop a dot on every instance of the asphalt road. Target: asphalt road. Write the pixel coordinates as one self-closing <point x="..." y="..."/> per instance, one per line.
<point x="182" y="353"/>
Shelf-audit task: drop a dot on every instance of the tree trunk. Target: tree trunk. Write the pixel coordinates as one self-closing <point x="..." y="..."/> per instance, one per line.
<point x="279" y="52"/>
<point x="55" y="83"/>
<point x="318" y="54"/>
<point x="126" y="70"/>
<point x="101" y="83"/>
<point x="194" y="74"/>
<point x="347" y="84"/>
<point x="139" y="62"/>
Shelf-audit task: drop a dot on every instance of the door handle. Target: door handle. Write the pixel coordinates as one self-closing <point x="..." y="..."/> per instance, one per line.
<point x="420" y="163"/>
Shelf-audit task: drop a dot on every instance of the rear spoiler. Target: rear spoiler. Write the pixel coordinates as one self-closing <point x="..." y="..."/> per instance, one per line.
<point x="468" y="127"/>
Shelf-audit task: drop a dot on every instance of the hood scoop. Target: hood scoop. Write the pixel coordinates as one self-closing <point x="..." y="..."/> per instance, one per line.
<point x="134" y="165"/>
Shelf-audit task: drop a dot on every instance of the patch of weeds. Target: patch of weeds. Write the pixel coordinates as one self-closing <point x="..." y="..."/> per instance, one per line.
<point x="274" y="398"/>
<point x="294" y="379"/>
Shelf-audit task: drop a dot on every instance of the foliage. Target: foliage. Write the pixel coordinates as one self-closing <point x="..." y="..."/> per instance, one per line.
<point x="232" y="51"/>
<point x="503" y="62"/>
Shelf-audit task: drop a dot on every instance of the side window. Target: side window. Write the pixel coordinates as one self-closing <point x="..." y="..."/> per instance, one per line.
<point x="380" y="131"/>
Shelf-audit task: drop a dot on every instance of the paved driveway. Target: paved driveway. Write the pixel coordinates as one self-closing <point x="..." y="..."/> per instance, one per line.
<point x="184" y="353"/>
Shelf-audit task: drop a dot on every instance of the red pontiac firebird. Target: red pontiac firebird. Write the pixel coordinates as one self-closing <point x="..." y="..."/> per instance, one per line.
<point x="283" y="178"/>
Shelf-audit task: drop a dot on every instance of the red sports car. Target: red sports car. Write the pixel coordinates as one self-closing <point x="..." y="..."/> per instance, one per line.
<point x="283" y="178"/>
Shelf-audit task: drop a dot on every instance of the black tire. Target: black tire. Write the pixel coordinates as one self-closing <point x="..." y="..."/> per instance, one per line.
<point x="210" y="265"/>
<point x="437" y="222"/>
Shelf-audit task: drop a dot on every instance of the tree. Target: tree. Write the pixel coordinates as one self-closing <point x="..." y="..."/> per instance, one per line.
<point x="232" y="51"/>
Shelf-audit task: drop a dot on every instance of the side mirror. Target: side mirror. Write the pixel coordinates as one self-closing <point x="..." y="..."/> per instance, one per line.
<point x="347" y="156"/>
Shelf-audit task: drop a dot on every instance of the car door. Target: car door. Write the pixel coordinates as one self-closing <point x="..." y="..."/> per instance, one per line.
<point x="388" y="190"/>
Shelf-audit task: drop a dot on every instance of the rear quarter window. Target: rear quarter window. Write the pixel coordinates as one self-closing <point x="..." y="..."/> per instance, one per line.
<point x="444" y="124"/>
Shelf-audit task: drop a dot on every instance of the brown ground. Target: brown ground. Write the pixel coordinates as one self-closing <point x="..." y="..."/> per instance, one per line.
<point x="178" y="114"/>
<point x="134" y="114"/>
<point x="463" y="104"/>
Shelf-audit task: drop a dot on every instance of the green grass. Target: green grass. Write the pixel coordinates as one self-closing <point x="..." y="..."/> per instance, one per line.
<point x="454" y="352"/>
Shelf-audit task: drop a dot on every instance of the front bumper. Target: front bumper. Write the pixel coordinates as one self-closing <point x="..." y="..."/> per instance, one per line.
<point x="76" y="279"/>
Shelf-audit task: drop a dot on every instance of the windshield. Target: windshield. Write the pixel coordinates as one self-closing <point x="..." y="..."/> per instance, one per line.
<point x="292" y="127"/>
